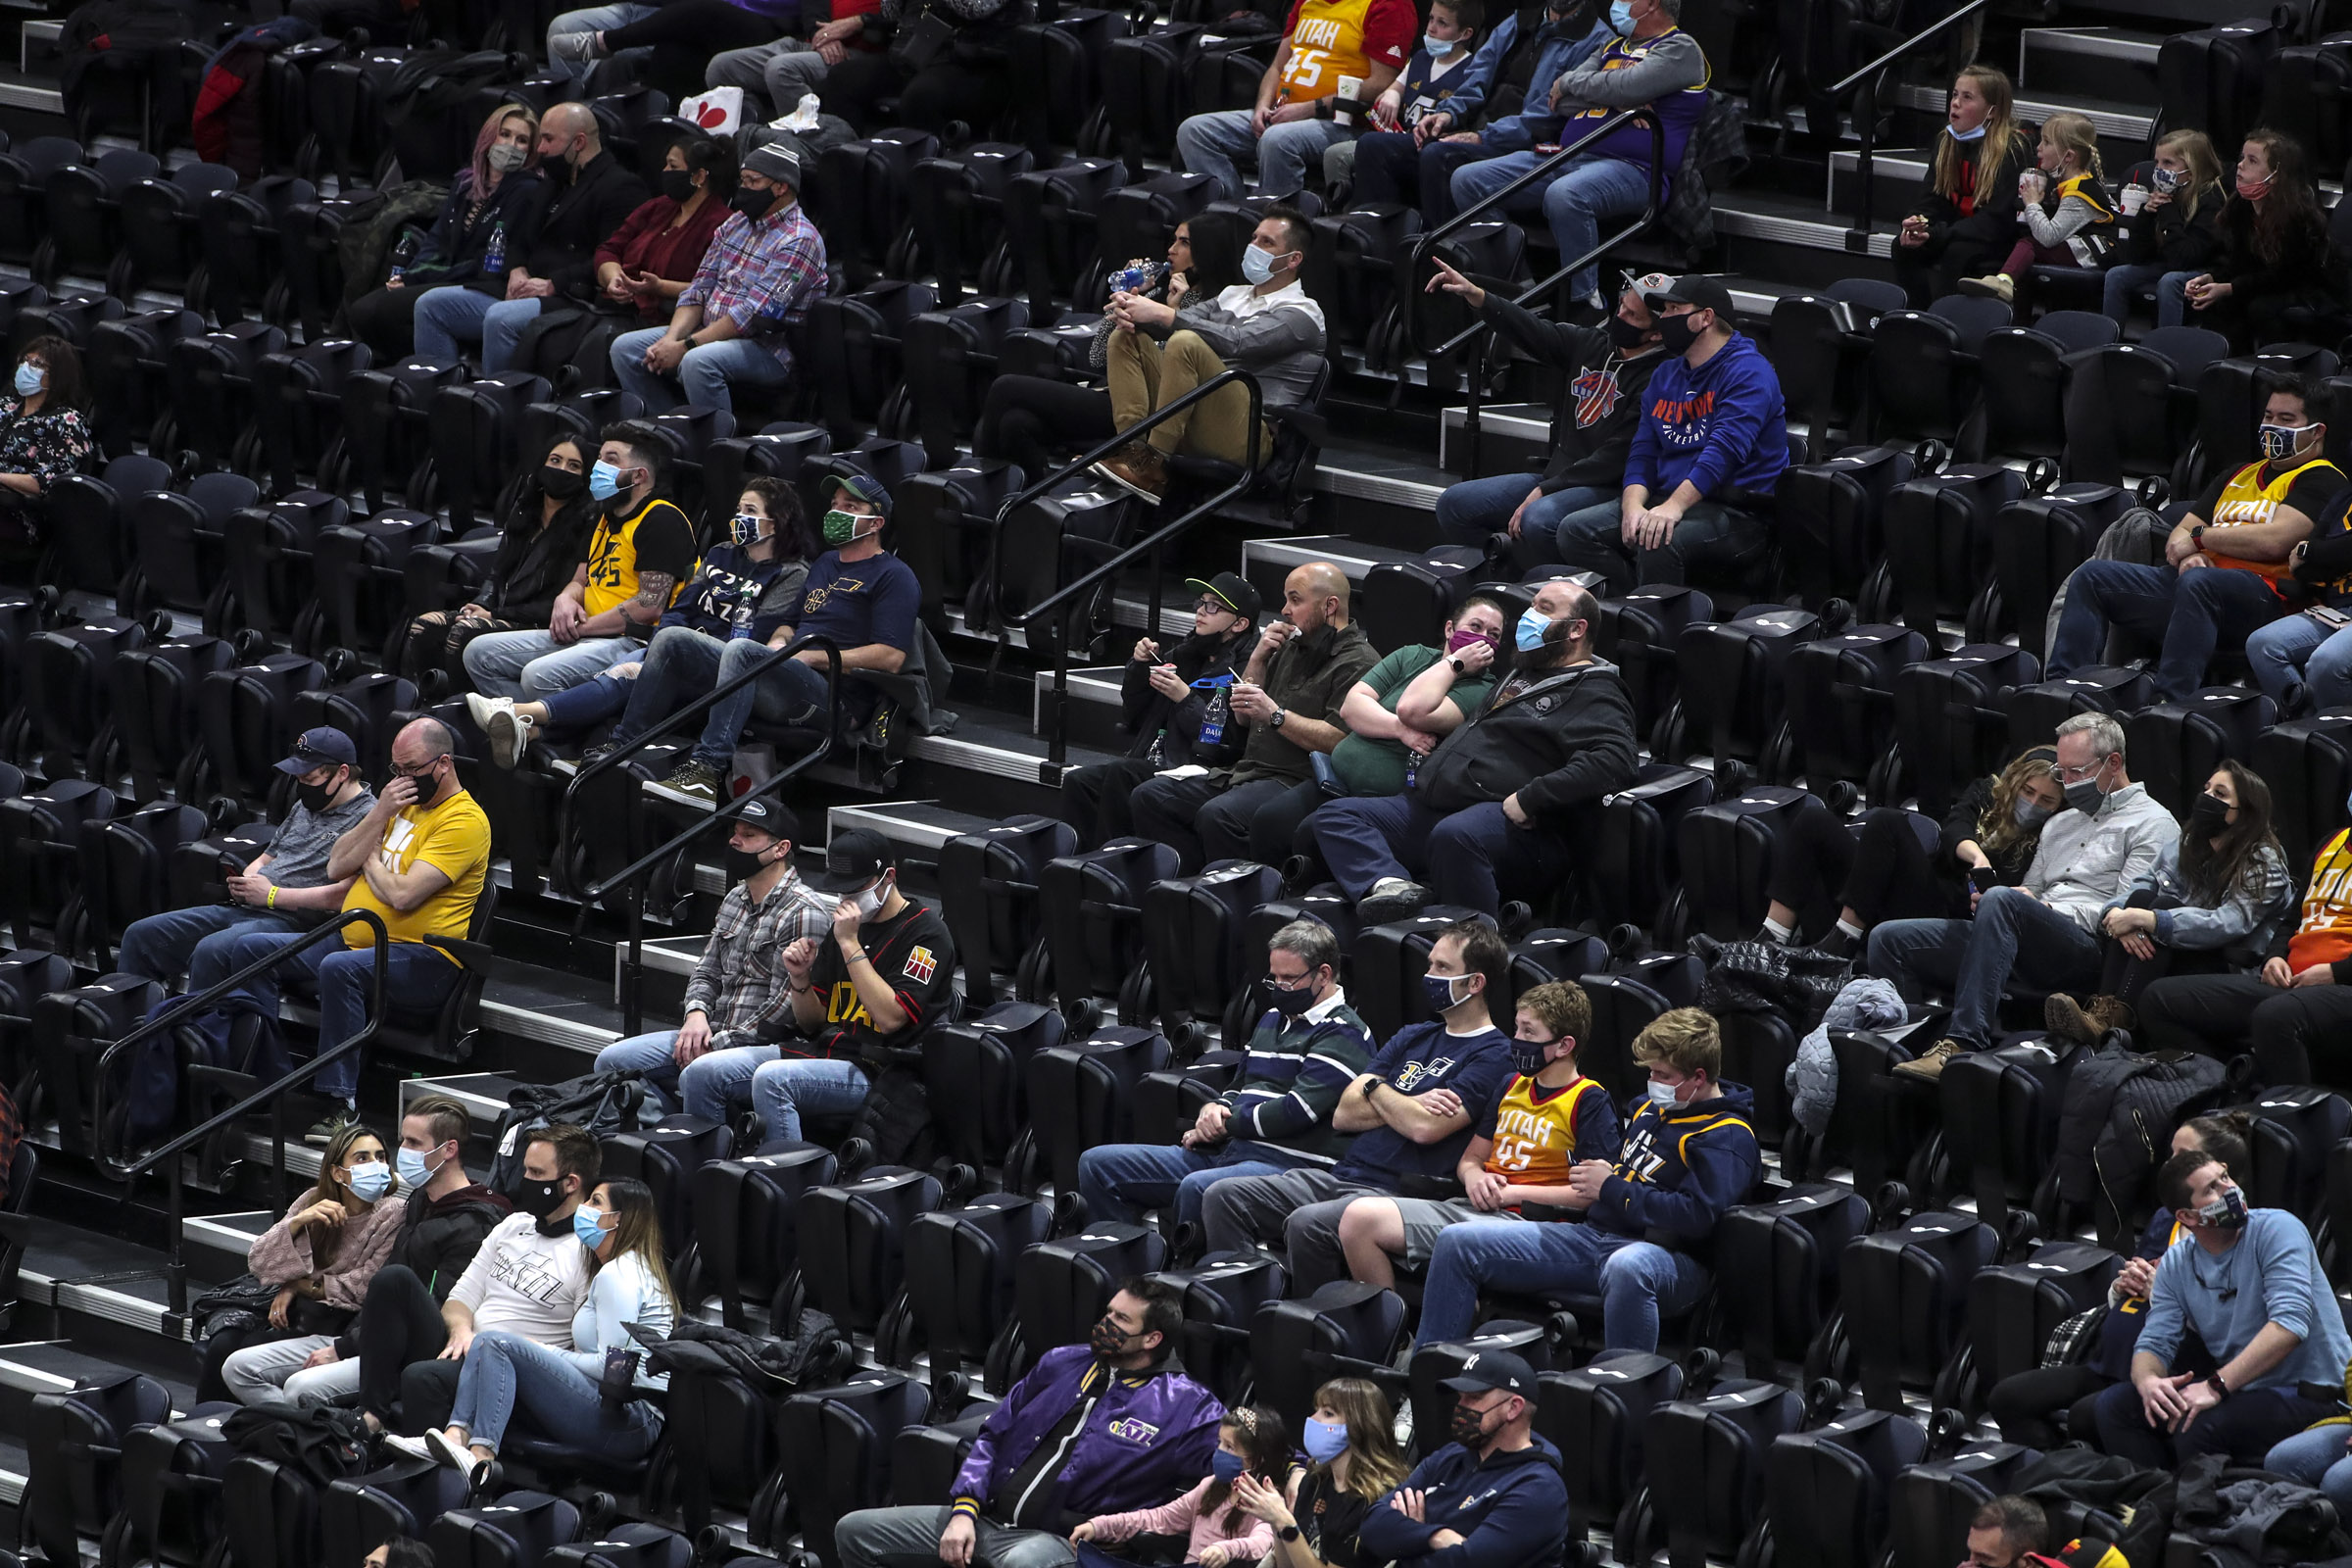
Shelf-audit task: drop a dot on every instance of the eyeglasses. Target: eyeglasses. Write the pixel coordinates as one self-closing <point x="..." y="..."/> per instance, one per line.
<point x="1290" y="982"/>
<point x="2076" y="775"/>
<point x="1211" y="606"/>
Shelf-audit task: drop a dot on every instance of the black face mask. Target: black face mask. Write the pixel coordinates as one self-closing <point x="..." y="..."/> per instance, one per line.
<point x="1676" y="332"/>
<point x="314" y="798"/>
<point x="1623" y="335"/>
<point x="2208" y="815"/>
<point x="752" y="204"/>
<point x="678" y="184"/>
<point x="1105" y="1341"/>
<point x="561" y="483"/>
<point x="539" y="1199"/>
<point x="1467" y="1427"/>
<point x="743" y="865"/>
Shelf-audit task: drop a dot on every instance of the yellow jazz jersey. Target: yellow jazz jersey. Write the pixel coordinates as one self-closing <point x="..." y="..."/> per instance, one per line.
<point x="1536" y="1131"/>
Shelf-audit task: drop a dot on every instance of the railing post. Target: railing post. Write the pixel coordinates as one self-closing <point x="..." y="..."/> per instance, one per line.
<point x="176" y="1272"/>
<point x="1857" y="238"/>
<point x="1057" y="702"/>
<point x="1471" y="424"/>
<point x="277" y="1150"/>
<point x="632" y="972"/>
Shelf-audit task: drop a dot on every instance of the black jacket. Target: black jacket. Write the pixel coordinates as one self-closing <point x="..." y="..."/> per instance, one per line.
<point x="1991" y="224"/>
<point x="2166" y="236"/>
<point x="1600" y="394"/>
<point x="461" y="238"/>
<point x="580" y="217"/>
<point x="2304" y="264"/>
<point x="1144" y="713"/>
<point x="438" y="1239"/>
<point x="533" y="565"/>
<point x="1563" y="741"/>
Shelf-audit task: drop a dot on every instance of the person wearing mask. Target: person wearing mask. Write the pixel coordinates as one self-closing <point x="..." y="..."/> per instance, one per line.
<point x="1493" y="1490"/>
<point x="640" y="554"/>
<point x="1548" y="1118"/>
<point x="765" y="267"/>
<point x="529" y="1277"/>
<point x="592" y="194"/>
<point x="1964" y="220"/>
<point x="2176" y="233"/>
<point x="2295" y="1013"/>
<point x="2225" y="559"/>
<point x="1307" y="1046"/>
<point x="2301" y="659"/>
<point x="2247" y="1283"/>
<point x="1446" y="63"/>
<point x="285" y="888"/>
<point x="2006" y="1532"/>
<point x="1890" y="871"/>
<point x="1410" y="1110"/>
<point x="2065" y="215"/>
<point x="1607" y="371"/>
<point x="1251" y="1442"/>
<point x="2275" y="256"/>
<point x="490" y="220"/>
<point x="737" y="596"/>
<point x="647" y="262"/>
<point x="1265" y="325"/>
<point x="1288" y="699"/>
<point x="1707" y="454"/>
<point x="1488" y="812"/>
<point x="1295" y="115"/>
<point x="542" y="544"/>
<point x="1070" y="1423"/>
<point x="1651" y="63"/>
<point x="568" y="1395"/>
<point x="1353" y="1463"/>
<point x="2045" y="929"/>
<point x="44" y="436"/>
<point x="1649" y="1215"/>
<point x="1166" y="702"/>
<point x="318" y="1259"/>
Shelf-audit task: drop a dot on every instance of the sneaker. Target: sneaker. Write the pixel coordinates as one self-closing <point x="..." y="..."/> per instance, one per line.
<point x="509" y="736"/>
<point x="2000" y="285"/>
<point x="1839" y="943"/>
<point x="481" y="710"/>
<point x="596" y="753"/>
<point x="1137" y="469"/>
<point x="697" y="778"/>
<point x="578" y="47"/>
<point x="414" y="1447"/>
<point x="1930" y="1066"/>
<point x="330" y="1126"/>
<point x="450" y="1453"/>
<point x="1392" y="897"/>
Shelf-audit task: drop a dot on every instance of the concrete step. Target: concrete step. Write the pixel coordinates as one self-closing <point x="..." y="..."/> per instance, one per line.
<point x="1267" y="561"/>
<point x="1094" y="705"/>
<point x="1897" y="176"/>
<point x="215" y="1246"/>
<point x="2124" y="121"/>
<point x="2117" y="64"/>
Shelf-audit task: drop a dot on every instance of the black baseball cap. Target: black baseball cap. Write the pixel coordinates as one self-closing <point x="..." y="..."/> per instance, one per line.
<point x="323" y="746"/>
<point x="1232" y="590"/>
<point x="773" y="817"/>
<point x="1697" y="288"/>
<point x="1494" y="1369"/>
<point x="853" y="860"/>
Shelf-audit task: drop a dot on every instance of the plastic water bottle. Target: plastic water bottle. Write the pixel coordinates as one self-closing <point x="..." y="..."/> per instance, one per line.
<point x="1220" y="707"/>
<point x="403" y="254"/>
<point x="1158" y="757"/>
<point x="1412" y="767"/>
<point x="494" y="260"/>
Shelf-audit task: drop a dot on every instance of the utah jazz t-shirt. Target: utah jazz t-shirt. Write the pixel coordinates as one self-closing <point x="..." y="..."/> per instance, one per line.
<point x="453" y="836"/>
<point x="912" y="951"/>
<point x="1419" y="1057"/>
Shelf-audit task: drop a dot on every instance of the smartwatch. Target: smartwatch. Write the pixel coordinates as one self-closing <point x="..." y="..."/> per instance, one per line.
<point x="1460" y="668"/>
<point x="1289" y="1532"/>
<point x="2212" y="1380"/>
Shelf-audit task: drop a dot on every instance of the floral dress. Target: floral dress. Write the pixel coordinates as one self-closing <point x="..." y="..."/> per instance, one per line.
<point x="48" y="445"/>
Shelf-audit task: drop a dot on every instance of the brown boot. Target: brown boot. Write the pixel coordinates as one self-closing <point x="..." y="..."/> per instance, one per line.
<point x="2085" y="1024"/>
<point x="1139" y="469"/>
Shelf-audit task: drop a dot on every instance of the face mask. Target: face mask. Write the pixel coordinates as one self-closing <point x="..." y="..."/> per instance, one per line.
<point x="1977" y="134"/>
<point x="2028" y="813"/>
<point x="588" y="1224"/>
<point x="743" y="527"/>
<point x="870" y="902"/>
<point x="29" y="378"/>
<point x="2208" y="815"/>
<point x="1324" y="1440"/>
<point x="1527" y="1057"/>
<point x="541" y="1198"/>
<point x="752" y="204"/>
<point x="1666" y="1096"/>
<point x="1529" y="634"/>
<point x="506" y="158"/>
<point x="840" y="527"/>
<point x="1439" y="48"/>
<point x="561" y="483"/>
<point x="1257" y="265"/>
<point x="2227" y="1212"/>
<point x="1468" y="1427"/>
<point x="1105" y="1341"/>
<point x="1227" y="1467"/>
<point x="678" y="185"/>
<point x="2279" y="441"/>
<point x="2253" y="190"/>
<point x="314" y="797"/>
<point x="1676" y="332"/>
<point x="413" y="1171"/>
<point x="2084" y="795"/>
<point x="1623" y="335"/>
<point x="370" y="1181"/>
<point x="2165" y="179"/>
<point x="1439" y="988"/>
<point x="744" y="864"/>
<point x="1463" y="639"/>
<point x="1621" y="18"/>
<point x="1290" y="1004"/>
<point x="604" y="480"/>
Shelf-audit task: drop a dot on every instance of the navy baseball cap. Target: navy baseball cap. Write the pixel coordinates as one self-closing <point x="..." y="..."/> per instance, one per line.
<point x="1494" y="1369"/>
<point x="861" y="485"/>
<point x="323" y="746"/>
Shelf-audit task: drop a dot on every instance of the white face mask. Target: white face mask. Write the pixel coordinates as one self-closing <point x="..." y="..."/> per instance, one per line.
<point x="870" y="902"/>
<point x="1666" y="1096"/>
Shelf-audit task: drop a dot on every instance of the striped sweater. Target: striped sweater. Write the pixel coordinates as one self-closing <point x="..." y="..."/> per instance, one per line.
<point x="1297" y="1070"/>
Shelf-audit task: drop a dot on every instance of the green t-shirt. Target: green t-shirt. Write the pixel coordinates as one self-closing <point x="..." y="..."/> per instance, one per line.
<point x="1377" y="767"/>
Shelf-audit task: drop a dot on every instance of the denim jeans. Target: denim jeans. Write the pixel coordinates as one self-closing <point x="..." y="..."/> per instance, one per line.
<point x="418" y="975"/>
<point x="528" y="665"/>
<point x="2125" y="281"/>
<point x="2172" y="298"/>
<point x="704" y="373"/>
<point x="192" y="942"/>
<point x="589" y="703"/>
<point x="1575" y="202"/>
<point x="717" y="1080"/>
<point x="504" y="1371"/>
<point x="2297" y="651"/>
<point x="1468" y="856"/>
<point x="2013" y="932"/>
<point x="1119" y="1181"/>
<point x="783" y="1089"/>
<point x="1709" y="533"/>
<point x="1212" y="144"/>
<point x="594" y="19"/>
<point x="2247" y="1426"/>
<point x="1472" y="510"/>
<point x="650" y="1058"/>
<point x="1638" y="1282"/>
<point x="683" y="663"/>
<point x="447" y="316"/>
<point x="2316" y="1457"/>
<point x="2190" y="613"/>
<point x="502" y="328"/>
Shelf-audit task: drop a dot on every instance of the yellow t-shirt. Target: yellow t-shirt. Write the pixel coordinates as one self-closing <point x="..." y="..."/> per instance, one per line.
<point x="453" y="836"/>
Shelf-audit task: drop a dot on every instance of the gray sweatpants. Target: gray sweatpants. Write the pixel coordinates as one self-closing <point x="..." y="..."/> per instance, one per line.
<point x="1300" y="1207"/>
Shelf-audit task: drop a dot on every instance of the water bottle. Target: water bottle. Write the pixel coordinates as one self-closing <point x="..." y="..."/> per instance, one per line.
<point x="1220" y="704"/>
<point x="494" y="260"/>
<point x="1412" y="767"/>
<point x="1158" y="757"/>
<point x="403" y="253"/>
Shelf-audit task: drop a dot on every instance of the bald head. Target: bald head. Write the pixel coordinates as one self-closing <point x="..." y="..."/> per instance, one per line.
<point x="1572" y="611"/>
<point x="569" y="135"/>
<point x="426" y="750"/>
<point x="1315" y="596"/>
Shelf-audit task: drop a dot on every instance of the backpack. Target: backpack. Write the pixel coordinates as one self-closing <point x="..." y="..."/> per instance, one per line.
<point x="602" y="1103"/>
<point x="376" y="226"/>
<point x="321" y="1441"/>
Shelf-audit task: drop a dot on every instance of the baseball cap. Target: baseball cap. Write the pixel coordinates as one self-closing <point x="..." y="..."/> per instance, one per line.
<point x="853" y="860"/>
<point x="1494" y="1369"/>
<point x="1230" y="589"/>
<point x="775" y="161"/>
<point x="858" y="483"/>
<point x="323" y="746"/>
<point x="1695" y="288"/>
<point x="773" y="817"/>
<point x="1648" y="283"/>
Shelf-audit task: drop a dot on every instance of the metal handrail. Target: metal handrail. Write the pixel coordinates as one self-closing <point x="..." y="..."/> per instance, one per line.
<point x="632" y="875"/>
<point x="273" y="1094"/>
<point x="1478" y="333"/>
<point x="1867" y="118"/>
<point x="1065" y="598"/>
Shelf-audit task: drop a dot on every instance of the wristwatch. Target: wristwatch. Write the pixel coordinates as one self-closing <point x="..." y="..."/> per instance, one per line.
<point x="1460" y="668"/>
<point x="2213" y="1380"/>
<point x="1280" y="714"/>
<point x="1289" y="1532"/>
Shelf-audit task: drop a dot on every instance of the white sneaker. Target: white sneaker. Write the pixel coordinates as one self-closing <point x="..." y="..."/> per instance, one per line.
<point x="479" y="708"/>
<point x="414" y="1447"/>
<point x="449" y="1453"/>
<point x="509" y="736"/>
<point x="579" y="47"/>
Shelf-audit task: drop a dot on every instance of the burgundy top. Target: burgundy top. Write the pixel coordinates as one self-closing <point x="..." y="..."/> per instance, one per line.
<point x="646" y="243"/>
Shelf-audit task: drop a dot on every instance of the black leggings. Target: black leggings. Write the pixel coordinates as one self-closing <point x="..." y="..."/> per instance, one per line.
<point x="2218" y="1014"/>
<point x="2026" y="1405"/>
<point x="1033" y="422"/>
<point x="1881" y="873"/>
<point x="401" y="1334"/>
<point x="385" y="319"/>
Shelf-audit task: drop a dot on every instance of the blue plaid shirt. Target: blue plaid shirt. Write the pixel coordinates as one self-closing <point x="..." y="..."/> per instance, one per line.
<point x="761" y="276"/>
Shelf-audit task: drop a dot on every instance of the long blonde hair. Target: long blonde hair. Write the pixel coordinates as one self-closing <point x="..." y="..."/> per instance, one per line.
<point x="1375" y="1464"/>
<point x="2074" y="134"/>
<point x="2196" y="149"/>
<point x="2000" y="129"/>
<point x="1998" y="830"/>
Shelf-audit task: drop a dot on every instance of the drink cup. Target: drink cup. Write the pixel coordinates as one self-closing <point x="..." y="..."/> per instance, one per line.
<point x="2136" y="197"/>
<point x="1349" y="88"/>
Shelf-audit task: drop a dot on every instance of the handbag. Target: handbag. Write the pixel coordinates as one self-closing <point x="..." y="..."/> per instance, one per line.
<point x="921" y="40"/>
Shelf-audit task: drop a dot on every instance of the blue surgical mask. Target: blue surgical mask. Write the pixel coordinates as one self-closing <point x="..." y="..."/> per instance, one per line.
<point x="1324" y="1440"/>
<point x="1532" y="627"/>
<point x="1227" y="1467"/>
<point x="588" y="1224"/>
<point x="1665" y="1097"/>
<point x="29" y="378"/>
<point x="1257" y="265"/>
<point x="414" y="1172"/>
<point x="370" y="1181"/>
<point x="1621" y="18"/>
<point x="1977" y="134"/>
<point x="604" y="480"/>
<point x="1439" y="48"/>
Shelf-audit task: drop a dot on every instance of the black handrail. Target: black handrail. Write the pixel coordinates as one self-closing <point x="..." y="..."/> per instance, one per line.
<point x="632" y="973"/>
<point x="274" y="1094"/>
<point x="1478" y="332"/>
<point x="1867" y="114"/>
<point x="1064" y="598"/>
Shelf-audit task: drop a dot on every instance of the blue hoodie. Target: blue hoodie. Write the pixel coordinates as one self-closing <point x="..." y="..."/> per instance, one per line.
<point x="1511" y="1511"/>
<point x="1724" y="423"/>
<point x="1680" y="1170"/>
<point x="1556" y="56"/>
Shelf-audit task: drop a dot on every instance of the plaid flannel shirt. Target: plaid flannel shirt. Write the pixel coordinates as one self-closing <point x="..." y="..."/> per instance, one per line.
<point x="763" y="277"/>
<point x="740" y="982"/>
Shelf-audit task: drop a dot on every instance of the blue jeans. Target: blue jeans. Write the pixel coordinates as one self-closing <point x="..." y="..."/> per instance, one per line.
<point x="192" y="942"/>
<point x="1470" y="511"/>
<point x="447" y="316"/>
<point x="2190" y="613"/>
<point x="2297" y="651"/>
<point x="502" y="1370"/>
<point x="1119" y="1181"/>
<point x="421" y="977"/>
<point x="1466" y="855"/>
<point x="1637" y="1281"/>
<point x="704" y="373"/>
<point x="501" y="327"/>
<point x="2172" y="298"/>
<point x="2317" y="1458"/>
<point x="683" y="663"/>
<point x="782" y="1089"/>
<point x="1709" y="534"/>
<point x="590" y="703"/>
<point x="648" y="1057"/>
<point x="2013" y="932"/>
<point x="1213" y="143"/>
<point x="714" y="1080"/>
<point x="528" y="665"/>
<point x="2125" y="281"/>
<point x="594" y="19"/>
<point x="1575" y="202"/>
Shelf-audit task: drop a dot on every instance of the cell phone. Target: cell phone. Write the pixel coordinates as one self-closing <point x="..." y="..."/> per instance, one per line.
<point x="1983" y="878"/>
